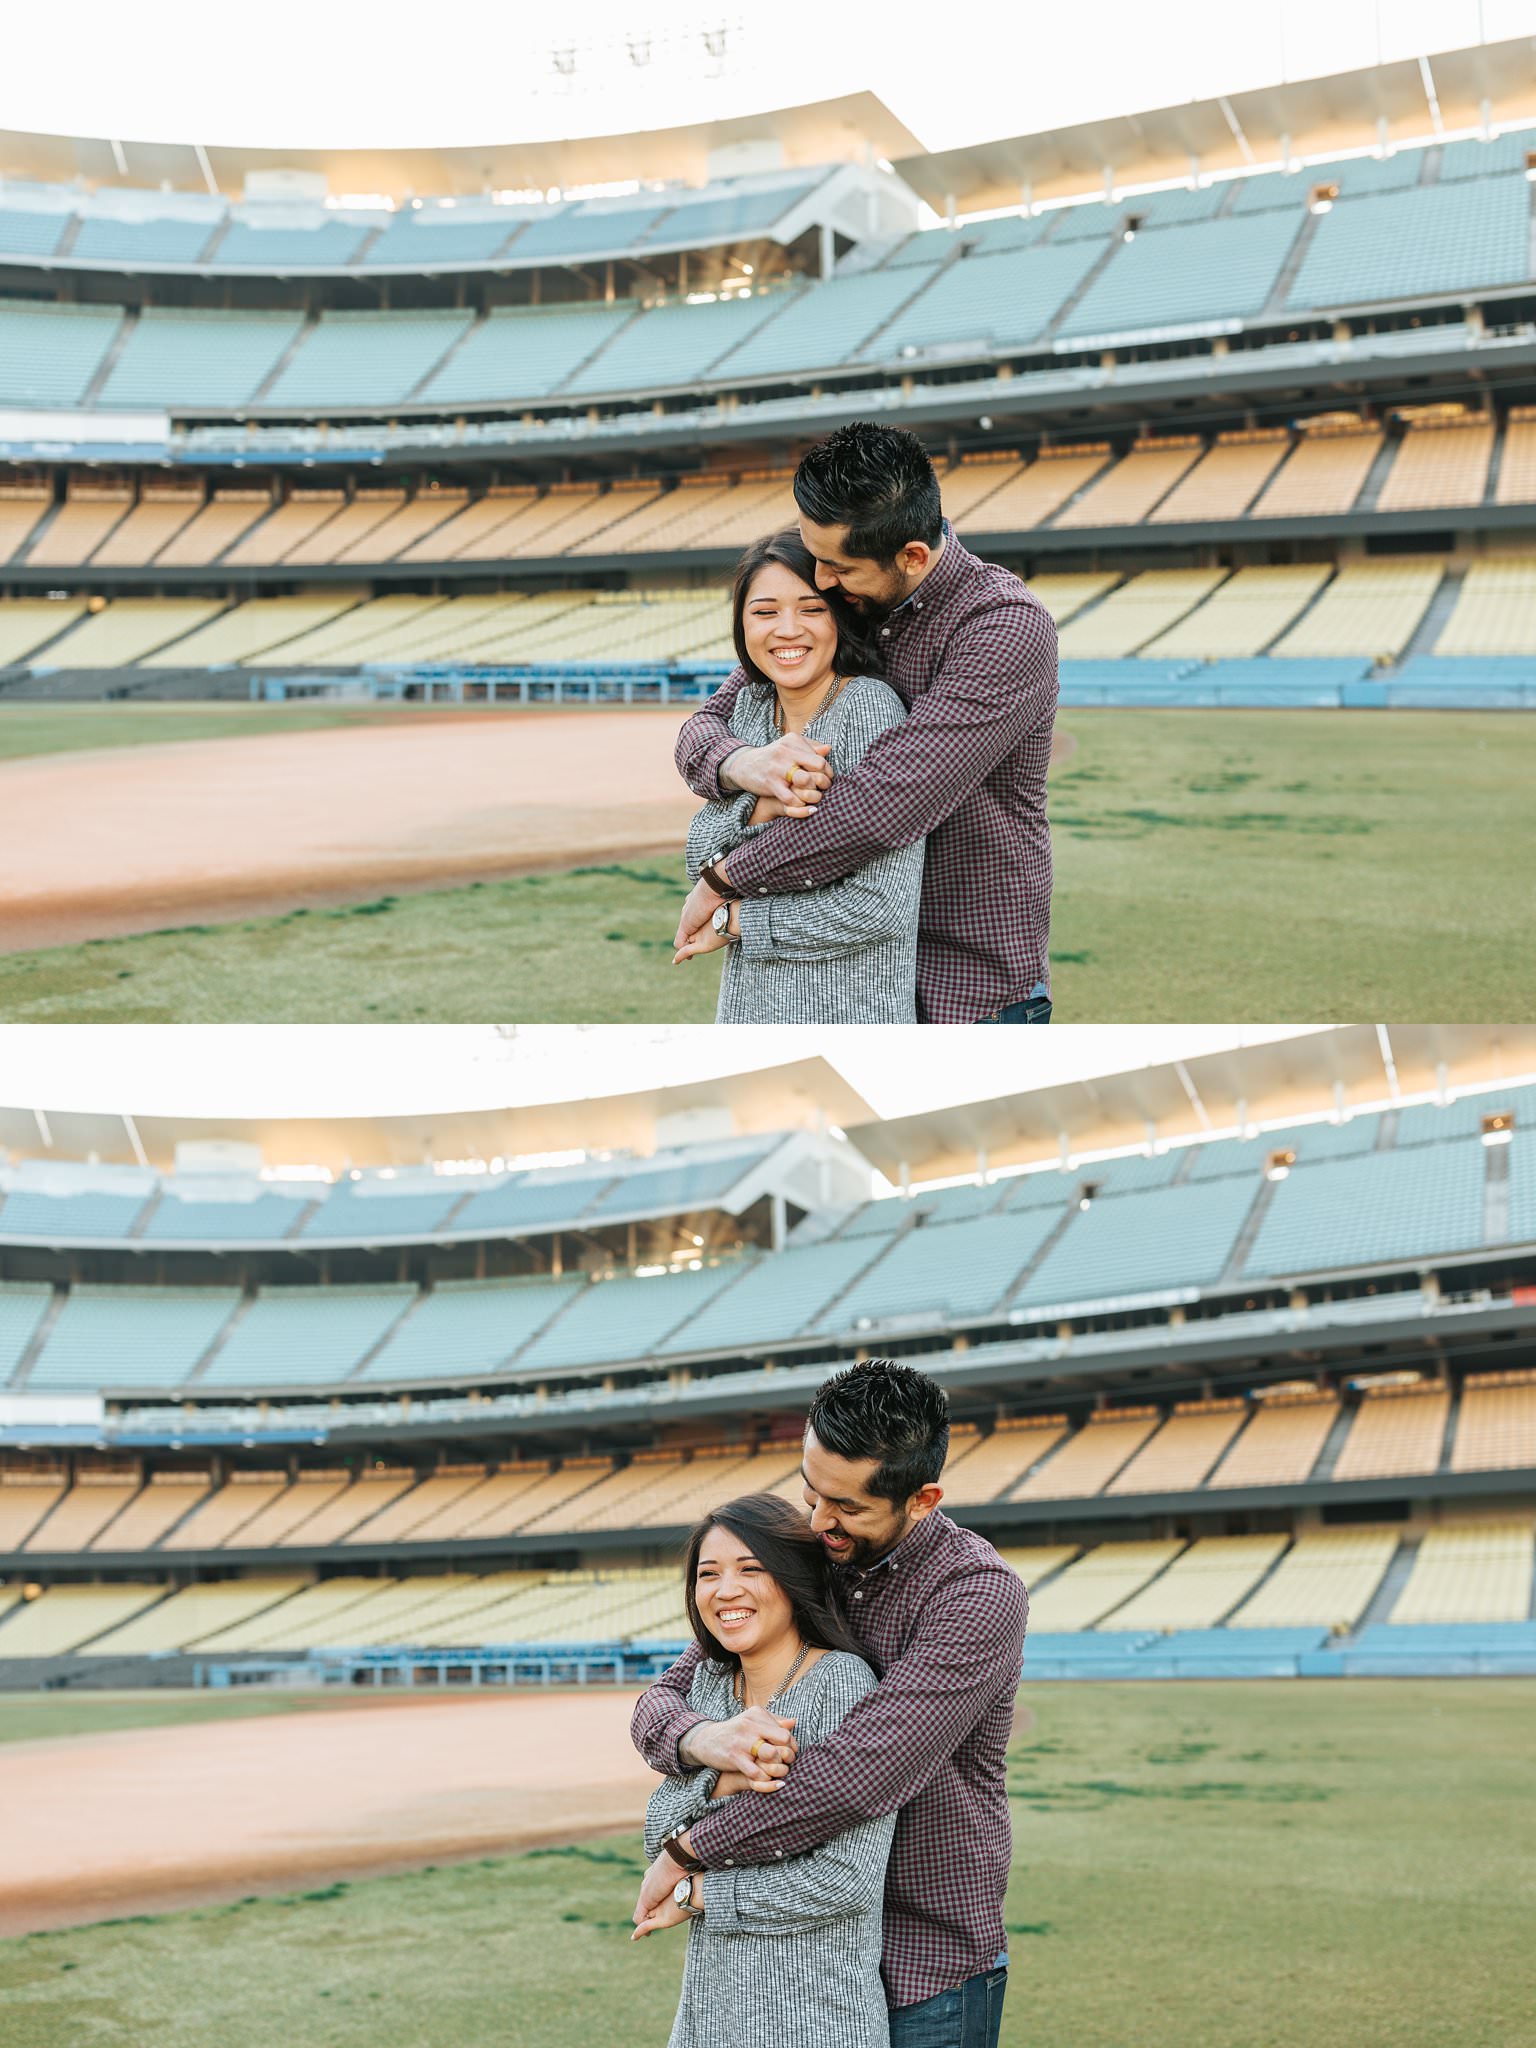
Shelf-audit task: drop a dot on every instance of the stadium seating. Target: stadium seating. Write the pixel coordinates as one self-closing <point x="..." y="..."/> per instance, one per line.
<point x="130" y="1336"/>
<point x="1201" y="1586"/>
<point x="1323" y="475"/>
<point x="1433" y="239"/>
<point x="1029" y="497"/>
<point x="1243" y="615"/>
<point x="22" y="506"/>
<point x="256" y="628"/>
<point x="161" y="513"/>
<point x="60" y="1619"/>
<point x="1495" y="609"/>
<point x="954" y="1269"/>
<point x="354" y="358"/>
<point x="190" y="1613"/>
<point x="1341" y="1212"/>
<point x="23" y="1304"/>
<point x="1185" y="1237"/>
<point x="224" y="519"/>
<point x="1281" y="1444"/>
<point x="196" y="356"/>
<point x="1098" y="1584"/>
<point x="1439" y="463"/>
<point x="25" y="1498"/>
<point x="984" y="302"/>
<point x="820" y="327"/>
<point x="1369" y="609"/>
<point x="289" y="1336"/>
<point x="430" y="238"/>
<point x="1496" y="1426"/>
<point x="1475" y="1570"/>
<point x="222" y="1516"/>
<point x="1225" y="481"/>
<point x="675" y="344"/>
<point x="1183" y="1451"/>
<point x="1207" y="270"/>
<point x="279" y="1519"/>
<point x="467" y="1326"/>
<point x="1138" y="612"/>
<point x="523" y="352"/>
<point x="1126" y="494"/>
<point x="89" y="513"/>
<point x="83" y="1512"/>
<point x="993" y="1467"/>
<point x="1064" y="595"/>
<point x="1087" y="1461"/>
<point x="1396" y="1429"/>
<point x="1327" y="1578"/>
<point x="625" y="1317"/>
<point x="51" y="354"/>
<point x="165" y="1499"/>
<point x="129" y="628"/>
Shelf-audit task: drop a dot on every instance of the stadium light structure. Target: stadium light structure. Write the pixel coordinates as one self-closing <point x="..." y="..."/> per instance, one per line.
<point x="1498" y="1129"/>
<point x="1321" y="198"/>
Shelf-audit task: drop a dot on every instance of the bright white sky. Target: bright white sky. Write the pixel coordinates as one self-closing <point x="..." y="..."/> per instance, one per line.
<point x="294" y="72"/>
<point x="297" y="1070"/>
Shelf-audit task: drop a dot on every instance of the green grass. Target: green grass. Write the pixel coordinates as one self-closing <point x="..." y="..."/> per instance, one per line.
<point x="28" y="729"/>
<point x="1225" y="1865"/>
<point x="1311" y="867"/>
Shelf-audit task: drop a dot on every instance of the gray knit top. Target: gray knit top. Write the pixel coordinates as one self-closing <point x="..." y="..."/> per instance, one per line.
<point x="787" y="1954"/>
<point x="842" y="954"/>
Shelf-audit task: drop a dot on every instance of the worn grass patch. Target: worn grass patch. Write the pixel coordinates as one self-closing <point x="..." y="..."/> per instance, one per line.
<point x="1311" y="866"/>
<point x="1228" y="1865"/>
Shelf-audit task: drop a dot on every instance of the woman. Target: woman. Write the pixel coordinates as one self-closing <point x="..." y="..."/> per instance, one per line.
<point x="846" y="953"/>
<point x="787" y="1954"/>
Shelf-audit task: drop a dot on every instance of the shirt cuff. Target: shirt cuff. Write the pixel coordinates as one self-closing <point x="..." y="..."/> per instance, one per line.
<point x="669" y="1739"/>
<point x="719" y="1887"/>
<point x="711" y="758"/>
<point x="754" y="919"/>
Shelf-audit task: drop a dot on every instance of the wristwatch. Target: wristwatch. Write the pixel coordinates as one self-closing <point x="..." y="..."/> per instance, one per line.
<point x="682" y="1896"/>
<point x="711" y="874"/>
<point x="722" y="921"/>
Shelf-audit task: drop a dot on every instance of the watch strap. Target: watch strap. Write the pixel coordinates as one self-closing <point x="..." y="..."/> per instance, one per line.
<point x="684" y="1858"/>
<point x="711" y="874"/>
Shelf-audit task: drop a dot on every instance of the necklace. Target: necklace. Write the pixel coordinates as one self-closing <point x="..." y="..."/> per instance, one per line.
<point x="783" y="1684"/>
<point x="778" y="704"/>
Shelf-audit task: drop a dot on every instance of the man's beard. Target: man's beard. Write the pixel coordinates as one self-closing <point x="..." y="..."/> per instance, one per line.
<point x="862" y="1552"/>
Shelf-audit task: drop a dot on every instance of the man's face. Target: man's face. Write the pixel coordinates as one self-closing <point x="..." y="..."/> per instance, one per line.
<point x="868" y="587"/>
<point x="855" y="1526"/>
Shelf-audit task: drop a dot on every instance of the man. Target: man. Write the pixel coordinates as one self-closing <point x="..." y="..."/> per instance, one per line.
<point x="943" y="1618"/>
<point x="973" y="655"/>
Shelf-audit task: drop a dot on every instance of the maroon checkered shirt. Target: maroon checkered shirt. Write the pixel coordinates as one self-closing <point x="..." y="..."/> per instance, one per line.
<point x="944" y="1618"/>
<point x="972" y="653"/>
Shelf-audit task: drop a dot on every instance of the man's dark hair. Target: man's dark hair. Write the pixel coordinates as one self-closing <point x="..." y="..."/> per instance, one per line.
<point x="878" y="482"/>
<point x="879" y="1409"/>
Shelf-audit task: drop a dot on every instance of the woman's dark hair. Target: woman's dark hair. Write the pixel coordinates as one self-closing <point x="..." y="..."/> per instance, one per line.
<point x="781" y="1540"/>
<point x="790" y="552"/>
<point x="876" y="481"/>
<point x="879" y="1409"/>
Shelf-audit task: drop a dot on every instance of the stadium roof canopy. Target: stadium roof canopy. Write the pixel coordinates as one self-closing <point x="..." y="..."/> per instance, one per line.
<point x="1405" y="100"/>
<point x="1346" y="1067"/>
<point x="856" y="128"/>
<point x="806" y="1094"/>
<point x="1286" y="1078"/>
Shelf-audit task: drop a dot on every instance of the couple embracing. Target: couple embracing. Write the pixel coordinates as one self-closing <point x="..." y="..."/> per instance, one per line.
<point x="873" y="844"/>
<point x="833" y="1826"/>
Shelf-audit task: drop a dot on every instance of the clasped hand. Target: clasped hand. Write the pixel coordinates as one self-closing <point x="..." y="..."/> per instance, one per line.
<point x="725" y="1747"/>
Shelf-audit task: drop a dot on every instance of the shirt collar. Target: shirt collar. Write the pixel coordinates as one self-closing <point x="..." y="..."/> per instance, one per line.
<point x="939" y="581"/>
<point x="910" y="1552"/>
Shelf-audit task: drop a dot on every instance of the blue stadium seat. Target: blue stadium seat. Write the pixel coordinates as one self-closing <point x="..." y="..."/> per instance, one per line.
<point x="23" y="1304"/>
<point x="105" y="240"/>
<point x="991" y="301"/>
<point x="1382" y="1205"/>
<point x="675" y="344"/>
<point x="469" y="1326"/>
<point x="1132" y="1244"/>
<point x="1400" y="245"/>
<point x="195" y="356"/>
<point x="31" y="233"/>
<point x="525" y="352"/>
<point x="49" y="354"/>
<point x="130" y="1336"/>
<point x="329" y="245"/>
<point x="367" y="358"/>
<point x="1218" y="269"/>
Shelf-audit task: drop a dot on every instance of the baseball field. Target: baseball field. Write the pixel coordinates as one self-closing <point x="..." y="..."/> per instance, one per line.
<point x="1221" y="1865"/>
<point x="358" y="864"/>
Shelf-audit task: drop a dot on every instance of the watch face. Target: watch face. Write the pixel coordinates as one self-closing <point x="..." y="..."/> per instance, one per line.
<point x="722" y="918"/>
<point x="682" y="1891"/>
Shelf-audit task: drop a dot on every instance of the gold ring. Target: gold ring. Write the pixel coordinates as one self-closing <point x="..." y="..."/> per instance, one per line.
<point x="755" y="1748"/>
<point x="789" y="776"/>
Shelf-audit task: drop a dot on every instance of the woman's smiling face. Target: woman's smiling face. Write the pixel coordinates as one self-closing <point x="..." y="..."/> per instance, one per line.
<point x="744" y="1609"/>
<point x="790" y="633"/>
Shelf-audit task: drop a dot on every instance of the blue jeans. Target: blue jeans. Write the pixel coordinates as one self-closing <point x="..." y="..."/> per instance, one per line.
<point x="967" y="2017"/>
<point x="1035" y="1009"/>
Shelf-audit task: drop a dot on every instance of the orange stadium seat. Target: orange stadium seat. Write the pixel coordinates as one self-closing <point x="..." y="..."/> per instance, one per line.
<point x="1323" y="474"/>
<point x="1440" y="462"/>
<point x="1128" y="492"/>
